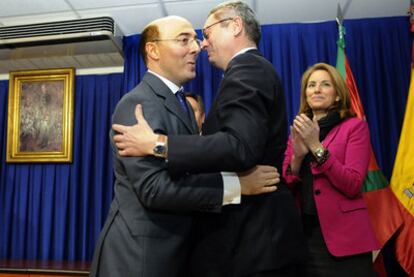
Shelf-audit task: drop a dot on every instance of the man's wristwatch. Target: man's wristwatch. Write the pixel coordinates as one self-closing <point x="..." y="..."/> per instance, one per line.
<point x="160" y="148"/>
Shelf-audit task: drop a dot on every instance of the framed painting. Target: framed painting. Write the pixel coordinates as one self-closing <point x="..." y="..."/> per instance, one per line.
<point x="40" y="116"/>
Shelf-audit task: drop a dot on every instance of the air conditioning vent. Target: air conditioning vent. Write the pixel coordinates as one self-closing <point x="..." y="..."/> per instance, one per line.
<point x="80" y="43"/>
<point x="88" y="25"/>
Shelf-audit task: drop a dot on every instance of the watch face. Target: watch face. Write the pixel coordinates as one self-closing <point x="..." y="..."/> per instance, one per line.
<point x="319" y="152"/>
<point x="159" y="149"/>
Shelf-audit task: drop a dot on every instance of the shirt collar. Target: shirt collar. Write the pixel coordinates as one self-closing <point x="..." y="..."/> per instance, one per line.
<point x="173" y="87"/>
<point x="244" y="50"/>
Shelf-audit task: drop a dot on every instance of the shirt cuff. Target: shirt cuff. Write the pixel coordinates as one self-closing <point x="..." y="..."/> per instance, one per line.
<point x="231" y="187"/>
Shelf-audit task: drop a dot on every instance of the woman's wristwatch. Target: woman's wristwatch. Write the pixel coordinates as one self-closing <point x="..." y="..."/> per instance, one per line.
<point x="321" y="154"/>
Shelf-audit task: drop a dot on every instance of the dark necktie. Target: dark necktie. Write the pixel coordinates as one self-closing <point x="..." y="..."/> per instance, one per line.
<point x="181" y="98"/>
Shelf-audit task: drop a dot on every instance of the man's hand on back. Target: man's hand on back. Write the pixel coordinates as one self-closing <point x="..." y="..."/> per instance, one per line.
<point x="260" y="179"/>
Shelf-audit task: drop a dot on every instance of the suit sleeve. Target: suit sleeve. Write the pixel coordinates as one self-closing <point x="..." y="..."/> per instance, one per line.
<point x="149" y="178"/>
<point x="241" y="112"/>
<point x="348" y="176"/>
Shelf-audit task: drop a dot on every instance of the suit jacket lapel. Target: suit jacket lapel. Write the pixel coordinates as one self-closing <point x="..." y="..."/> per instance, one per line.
<point x="170" y="101"/>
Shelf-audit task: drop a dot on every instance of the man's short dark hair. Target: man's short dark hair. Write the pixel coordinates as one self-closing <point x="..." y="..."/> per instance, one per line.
<point x="150" y="33"/>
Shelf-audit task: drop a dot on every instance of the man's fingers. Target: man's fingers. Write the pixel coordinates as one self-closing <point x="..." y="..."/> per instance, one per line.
<point x="260" y="189"/>
<point x="272" y="181"/>
<point x="139" y="115"/>
<point x="271" y="174"/>
<point x="267" y="168"/>
<point x="120" y="145"/>
<point x="267" y="189"/>
<point x="275" y="180"/>
<point x="270" y="189"/>
<point x="120" y="128"/>
<point x="125" y="152"/>
<point x="118" y="138"/>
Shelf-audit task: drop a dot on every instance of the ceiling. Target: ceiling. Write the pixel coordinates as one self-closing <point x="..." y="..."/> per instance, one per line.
<point x="132" y="15"/>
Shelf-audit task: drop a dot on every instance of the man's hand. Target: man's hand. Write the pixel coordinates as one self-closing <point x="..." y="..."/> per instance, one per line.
<point x="136" y="140"/>
<point x="258" y="180"/>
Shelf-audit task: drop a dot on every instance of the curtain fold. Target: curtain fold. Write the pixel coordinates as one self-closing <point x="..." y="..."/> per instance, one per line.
<point x="56" y="211"/>
<point x="134" y="67"/>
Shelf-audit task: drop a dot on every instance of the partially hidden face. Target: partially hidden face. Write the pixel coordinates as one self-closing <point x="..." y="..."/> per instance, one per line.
<point x="198" y="113"/>
<point x="320" y="91"/>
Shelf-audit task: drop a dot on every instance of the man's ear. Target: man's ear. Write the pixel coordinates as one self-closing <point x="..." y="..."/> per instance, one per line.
<point x="152" y="50"/>
<point x="237" y="26"/>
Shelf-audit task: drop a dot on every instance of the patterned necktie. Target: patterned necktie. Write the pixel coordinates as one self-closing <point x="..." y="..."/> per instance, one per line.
<point x="181" y="98"/>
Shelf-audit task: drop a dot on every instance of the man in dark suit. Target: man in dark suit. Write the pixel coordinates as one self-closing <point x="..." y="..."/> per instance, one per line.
<point x="246" y="125"/>
<point x="147" y="231"/>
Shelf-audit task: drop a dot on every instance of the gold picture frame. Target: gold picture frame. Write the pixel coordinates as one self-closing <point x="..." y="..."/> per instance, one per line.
<point x="40" y="116"/>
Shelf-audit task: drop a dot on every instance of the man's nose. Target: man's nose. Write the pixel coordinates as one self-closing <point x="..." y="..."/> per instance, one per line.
<point x="196" y="46"/>
<point x="204" y="44"/>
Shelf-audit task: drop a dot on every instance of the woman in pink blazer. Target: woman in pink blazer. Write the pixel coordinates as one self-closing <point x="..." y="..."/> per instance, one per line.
<point x="325" y="165"/>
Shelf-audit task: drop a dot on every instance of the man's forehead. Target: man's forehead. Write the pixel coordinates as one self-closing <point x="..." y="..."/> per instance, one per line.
<point x="210" y="19"/>
<point x="176" y="28"/>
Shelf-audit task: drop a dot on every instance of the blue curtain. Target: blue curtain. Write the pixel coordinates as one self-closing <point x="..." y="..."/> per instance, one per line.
<point x="294" y="47"/>
<point x="379" y="51"/>
<point x="56" y="211"/>
<point x="134" y="67"/>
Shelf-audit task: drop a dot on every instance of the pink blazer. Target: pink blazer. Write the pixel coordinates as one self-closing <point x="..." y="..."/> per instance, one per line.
<point x="342" y="212"/>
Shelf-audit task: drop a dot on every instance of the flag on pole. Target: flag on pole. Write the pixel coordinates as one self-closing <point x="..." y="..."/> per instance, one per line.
<point x="381" y="202"/>
<point x="402" y="184"/>
<point x="402" y="180"/>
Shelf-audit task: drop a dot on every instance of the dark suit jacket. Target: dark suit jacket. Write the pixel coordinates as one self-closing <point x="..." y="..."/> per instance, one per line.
<point x="246" y="126"/>
<point x="147" y="232"/>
